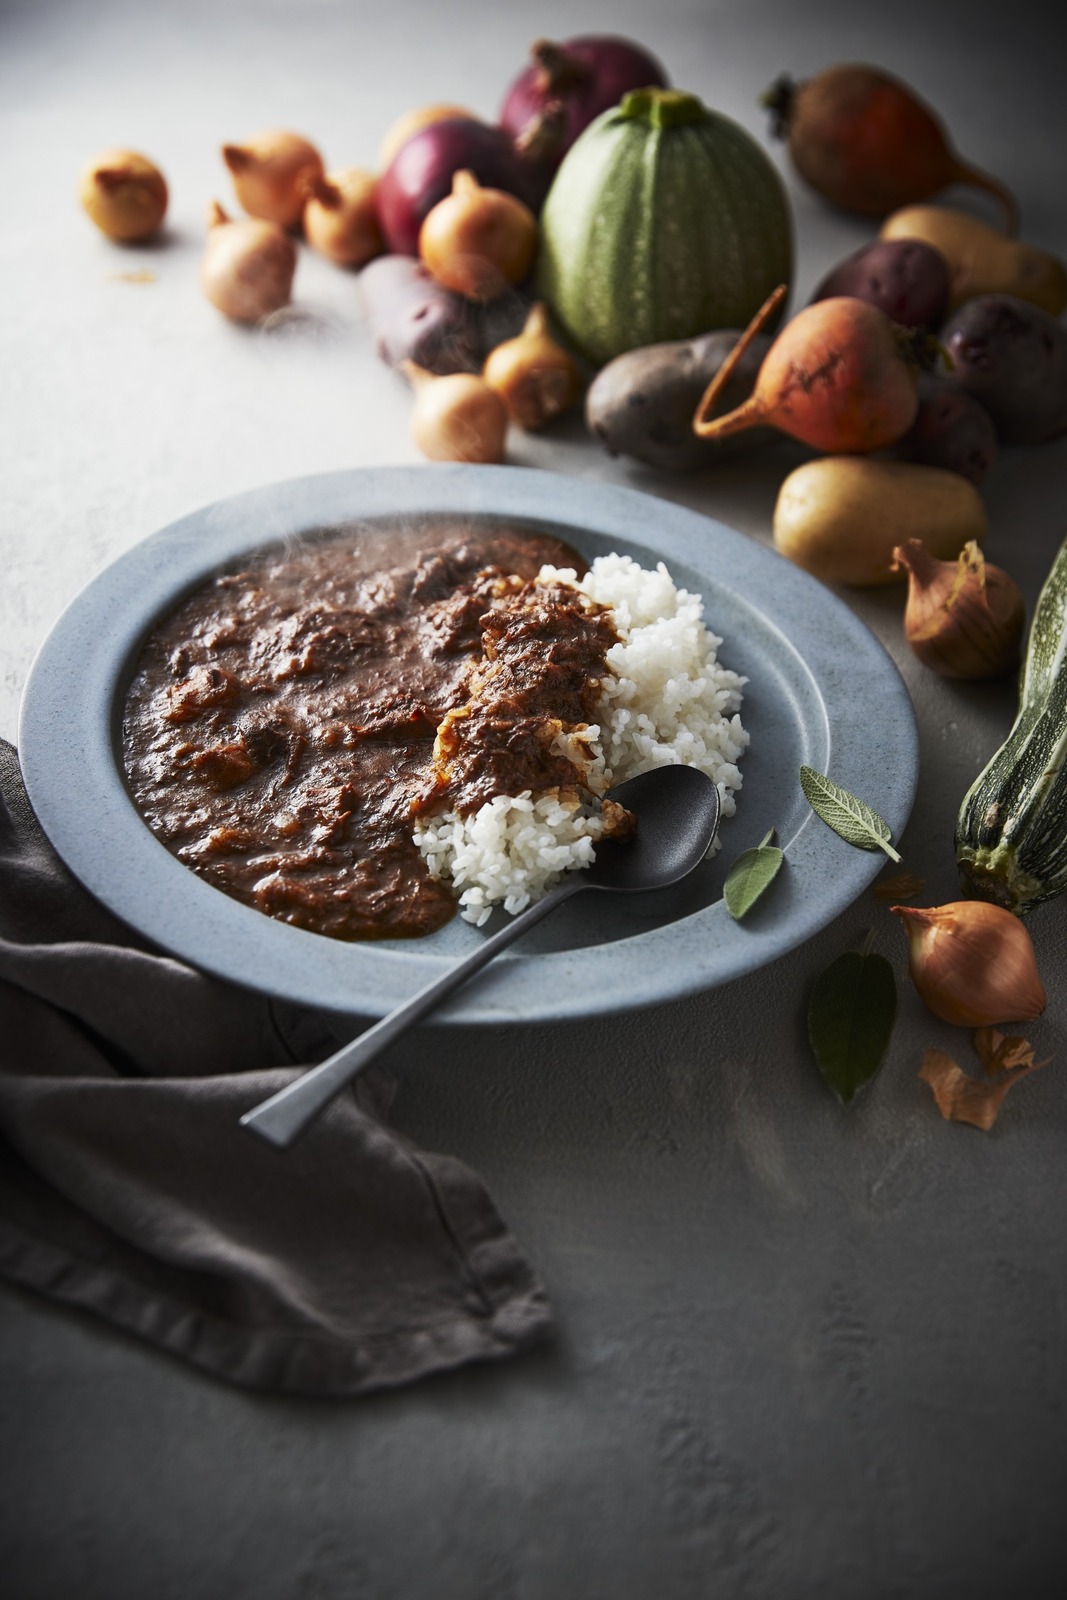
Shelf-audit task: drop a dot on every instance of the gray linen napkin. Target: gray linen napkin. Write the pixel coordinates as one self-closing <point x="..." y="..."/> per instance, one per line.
<point x="351" y="1262"/>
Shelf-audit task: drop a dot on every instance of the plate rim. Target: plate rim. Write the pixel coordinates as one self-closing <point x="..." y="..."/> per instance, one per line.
<point x="67" y="728"/>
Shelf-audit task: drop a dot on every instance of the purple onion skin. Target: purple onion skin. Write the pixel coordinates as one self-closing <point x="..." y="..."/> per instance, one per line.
<point x="421" y="173"/>
<point x="906" y="278"/>
<point x="1012" y="357"/>
<point x="606" y="68"/>
<point x="951" y="430"/>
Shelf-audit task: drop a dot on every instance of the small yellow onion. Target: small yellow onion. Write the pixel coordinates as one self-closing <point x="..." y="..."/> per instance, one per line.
<point x="478" y="242"/>
<point x="533" y="374"/>
<point x="271" y="172"/>
<point x="125" y="194"/>
<point x="340" y="219"/>
<point x="973" y="963"/>
<point x="963" y="618"/>
<point x="247" y="267"/>
<point x="457" y="417"/>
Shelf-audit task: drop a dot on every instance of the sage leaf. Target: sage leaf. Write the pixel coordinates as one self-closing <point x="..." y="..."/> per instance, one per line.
<point x="751" y="874"/>
<point x="855" y="822"/>
<point x="851" y="1014"/>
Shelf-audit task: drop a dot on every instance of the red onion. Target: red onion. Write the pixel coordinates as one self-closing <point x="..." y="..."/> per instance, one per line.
<point x="421" y="173"/>
<point x="586" y="75"/>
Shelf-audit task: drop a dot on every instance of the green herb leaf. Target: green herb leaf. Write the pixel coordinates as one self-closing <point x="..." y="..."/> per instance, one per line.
<point x="855" y="822"/>
<point x="752" y="873"/>
<point x="850" y="1019"/>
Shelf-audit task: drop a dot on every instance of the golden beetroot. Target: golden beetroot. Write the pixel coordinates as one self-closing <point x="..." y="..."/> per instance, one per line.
<point x="868" y="144"/>
<point x="841" y="377"/>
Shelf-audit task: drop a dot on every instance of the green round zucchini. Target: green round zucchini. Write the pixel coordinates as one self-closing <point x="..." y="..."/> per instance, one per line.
<point x="665" y="220"/>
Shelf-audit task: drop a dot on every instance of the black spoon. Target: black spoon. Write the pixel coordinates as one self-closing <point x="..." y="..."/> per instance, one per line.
<point x="677" y="811"/>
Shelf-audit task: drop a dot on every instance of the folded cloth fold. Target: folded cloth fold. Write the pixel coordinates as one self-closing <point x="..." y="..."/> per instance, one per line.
<point x="351" y="1262"/>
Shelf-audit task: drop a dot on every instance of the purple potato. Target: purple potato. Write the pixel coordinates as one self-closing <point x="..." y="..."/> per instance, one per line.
<point x="412" y="317"/>
<point x="642" y="404"/>
<point x="951" y="429"/>
<point x="906" y="278"/>
<point x="1012" y="356"/>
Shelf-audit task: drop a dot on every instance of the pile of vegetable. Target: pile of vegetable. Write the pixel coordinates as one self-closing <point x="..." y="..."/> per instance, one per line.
<point x="475" y="240"/>
<point x="613" y="236"/>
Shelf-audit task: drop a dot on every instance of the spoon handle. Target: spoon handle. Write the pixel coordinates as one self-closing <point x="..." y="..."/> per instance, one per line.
<point x="284" y="1115"/>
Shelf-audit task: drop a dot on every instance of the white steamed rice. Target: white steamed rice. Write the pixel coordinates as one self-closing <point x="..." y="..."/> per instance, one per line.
<point x="666" y="700"/>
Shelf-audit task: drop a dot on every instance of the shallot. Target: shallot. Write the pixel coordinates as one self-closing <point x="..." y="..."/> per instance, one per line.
<point x="973" y="963"/>
<point x="534" y="376"/>
<point x="478" y="241"/>
<point x="125" y="194"/>
<point x="421" y="174"/>
<point x="247" y="267"/>
<point x="271" y="173"/>
<point x="963" y="618"/>
<point x="340" y="218"/>
<point x="457" y="417"/>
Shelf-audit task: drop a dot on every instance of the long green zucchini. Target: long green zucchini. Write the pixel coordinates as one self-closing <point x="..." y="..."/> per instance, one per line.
<point x="1011" y="833"/>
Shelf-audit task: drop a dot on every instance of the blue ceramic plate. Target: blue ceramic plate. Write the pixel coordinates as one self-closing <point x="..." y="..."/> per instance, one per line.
<point x="822" y="690"/>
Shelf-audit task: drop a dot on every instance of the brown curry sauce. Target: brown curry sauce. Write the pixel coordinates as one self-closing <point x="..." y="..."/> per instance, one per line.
<point x="281" y="730"/>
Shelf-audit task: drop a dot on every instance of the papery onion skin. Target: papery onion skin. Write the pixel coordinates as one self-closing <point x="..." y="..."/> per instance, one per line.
<point x="972" y="963"/>
<point x="271" y="172"/>
<point x="341" y="219"/>
<point x="248" y="266"/>
<point x="964" y="618"/>
<point x="478" y="241"/>
<point x="125" y="194"/>
<point x="536" y="378"/>
<point x="457" y="417"/>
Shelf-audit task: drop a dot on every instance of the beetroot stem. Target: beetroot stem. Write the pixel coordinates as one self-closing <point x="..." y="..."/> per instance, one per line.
<point x="707" y="426"/>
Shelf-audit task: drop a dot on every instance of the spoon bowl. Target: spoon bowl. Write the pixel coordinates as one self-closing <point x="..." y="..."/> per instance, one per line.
<point x="677" y="812"/>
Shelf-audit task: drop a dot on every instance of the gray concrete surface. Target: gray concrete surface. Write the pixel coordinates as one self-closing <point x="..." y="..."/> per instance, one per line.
<point x="803" y="1351"/>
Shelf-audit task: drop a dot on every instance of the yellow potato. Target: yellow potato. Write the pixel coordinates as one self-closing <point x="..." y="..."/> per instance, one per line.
<point x="840" y="517"/>
<point x="981" y="260"/>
